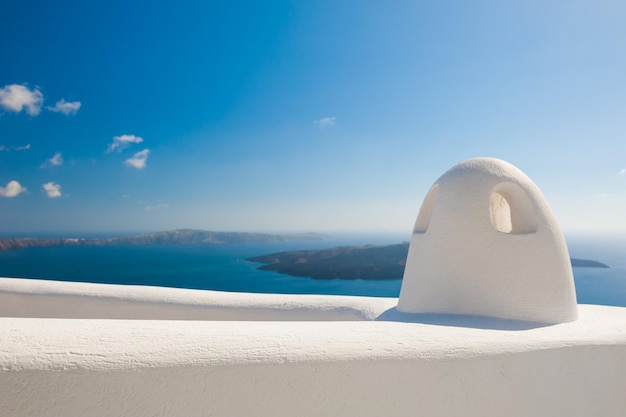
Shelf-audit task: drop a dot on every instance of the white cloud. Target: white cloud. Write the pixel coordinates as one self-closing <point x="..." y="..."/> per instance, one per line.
<point x="65" y="107"/>
<point x="158" y="206"/>
<point x="622" y="171"/>
<point x="15" y="148"/>
<point x="52" y="189"/>
<point x="325" y="121"/>
<point x="138" y="160"/>
<point x="123" y="142"/>
<point x="17" y="97"/>
<point x="13" y="189"/>
<point x="56" y="160"/>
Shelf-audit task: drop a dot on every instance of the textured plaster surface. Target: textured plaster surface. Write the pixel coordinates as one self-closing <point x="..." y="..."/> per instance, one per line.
<point x="486" y="243"/>
<point x="39" y="298"/>
<point x="87" y="367"/>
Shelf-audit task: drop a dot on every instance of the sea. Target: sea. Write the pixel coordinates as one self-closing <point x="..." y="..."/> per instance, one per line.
<point x="224" y="267"/>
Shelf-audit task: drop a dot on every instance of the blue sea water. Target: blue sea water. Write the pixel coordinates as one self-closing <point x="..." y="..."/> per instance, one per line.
<point x="223" y="267"/>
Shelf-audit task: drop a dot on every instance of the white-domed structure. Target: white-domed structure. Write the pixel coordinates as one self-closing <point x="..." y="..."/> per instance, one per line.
<point x="485" y="243"/>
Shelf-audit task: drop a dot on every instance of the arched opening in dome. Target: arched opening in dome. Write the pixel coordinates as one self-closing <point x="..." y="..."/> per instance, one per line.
<point x="511" y="209"/>
<point x="500" y="211"/>
<point x="426" y="211"/>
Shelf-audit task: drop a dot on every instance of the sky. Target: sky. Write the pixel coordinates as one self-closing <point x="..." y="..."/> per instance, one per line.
<point x="307" y="115"/>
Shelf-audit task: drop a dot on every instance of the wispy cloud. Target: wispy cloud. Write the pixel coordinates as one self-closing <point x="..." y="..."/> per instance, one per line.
<point x="15" y="98"/>
<point x="326" y="121"/>
<point x="138" y="160"/>
<point x="56" y="160"/>
<point x="123" y="142"/>
<point x="65" y="107"/>
<point x="13" y="189"/>
<point x="52" y="189"/>
<point x="15" y="148"/>
<point x="622" y="171"/>
<point x="157" y="206"/>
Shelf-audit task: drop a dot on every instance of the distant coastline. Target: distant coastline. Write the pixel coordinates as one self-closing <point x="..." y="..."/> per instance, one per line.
<point x="346" y="262"/>
<point x="177" y="237"/>
<point x="353" y="262"/>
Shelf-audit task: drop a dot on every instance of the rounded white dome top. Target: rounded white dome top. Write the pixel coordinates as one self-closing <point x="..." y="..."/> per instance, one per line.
<point x="486" y="243"/>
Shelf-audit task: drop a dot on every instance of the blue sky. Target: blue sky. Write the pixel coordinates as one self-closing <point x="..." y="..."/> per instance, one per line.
<point x="303" y="115"/>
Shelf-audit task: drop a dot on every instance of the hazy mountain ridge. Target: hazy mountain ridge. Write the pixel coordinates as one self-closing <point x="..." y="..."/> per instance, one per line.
<point x="353" y="262"/>
<point x="179" y="236"/>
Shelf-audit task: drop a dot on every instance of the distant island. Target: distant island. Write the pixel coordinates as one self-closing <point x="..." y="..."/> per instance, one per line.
<point x="175" y="237"/>
<point x="353" y="262"/>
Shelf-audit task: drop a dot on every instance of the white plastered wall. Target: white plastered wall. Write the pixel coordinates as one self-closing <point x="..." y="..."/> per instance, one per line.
<point x="57" y="299"/>
<point x="77" y="367"/>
